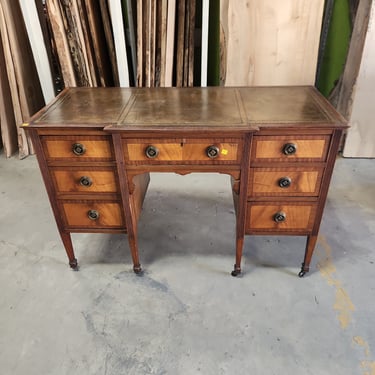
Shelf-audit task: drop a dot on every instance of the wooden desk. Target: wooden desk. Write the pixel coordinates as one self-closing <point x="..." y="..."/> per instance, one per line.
<point x="97" y="146"/>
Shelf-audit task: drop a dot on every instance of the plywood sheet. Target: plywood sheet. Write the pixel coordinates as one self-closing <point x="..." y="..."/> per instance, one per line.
<point x="270" y="42"/>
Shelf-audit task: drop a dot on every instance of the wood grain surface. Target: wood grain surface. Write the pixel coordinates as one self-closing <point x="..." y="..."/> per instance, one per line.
<point x="269" y="42"/>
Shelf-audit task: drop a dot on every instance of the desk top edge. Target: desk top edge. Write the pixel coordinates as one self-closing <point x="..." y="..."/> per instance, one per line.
<point x="247" y="108"/>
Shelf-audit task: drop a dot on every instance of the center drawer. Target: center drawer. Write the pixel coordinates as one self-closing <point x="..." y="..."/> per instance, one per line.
<point x="202" y="151"/>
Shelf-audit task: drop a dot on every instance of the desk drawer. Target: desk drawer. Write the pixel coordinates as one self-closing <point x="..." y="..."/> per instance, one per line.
<point x="82" y="180"/>
<point x="78" y="148"/>
<point x="285" y="181"/>
<point x="290" y="148"/>
<point x="202" y="151"/>
<point x="280" y="217"/>
<point x="92" y="214"/>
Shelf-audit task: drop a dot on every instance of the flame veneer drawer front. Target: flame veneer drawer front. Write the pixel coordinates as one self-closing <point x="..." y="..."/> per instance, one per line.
<point x="285" y="181"/>
<point x="280" y="217"/>
<point x="78" y="148"/>
<point x="205" y="151"/>
<point x="92" y="214"/>
<point x="84" y="180"/>
<point x="290" y="148"/>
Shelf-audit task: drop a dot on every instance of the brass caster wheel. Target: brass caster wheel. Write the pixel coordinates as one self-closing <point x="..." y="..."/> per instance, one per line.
<point x="74" y="265"/>
<point x="236" y="271"/>
<point x="138" y="270"/>
<point x="303" y="271"/>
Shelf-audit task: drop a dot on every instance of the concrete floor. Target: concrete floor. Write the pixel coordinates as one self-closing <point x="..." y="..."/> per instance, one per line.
<point x="187" y="315"/>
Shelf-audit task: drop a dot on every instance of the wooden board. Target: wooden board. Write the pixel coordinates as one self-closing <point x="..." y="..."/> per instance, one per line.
<point x="146" y="30"/>
<point x="62" y="46"/>
<point x="158" y="38"/>
<point x="7" y="120"/>
<point x="163" y="40"/>
<point x="204" y="43"/>
<point x="132" y="39"/>
<point x="169" y="54"/>
<point x="191" y="44"/>
<point x="76" y="44"/>
<point x="152" y="45"/>
<point x="180" y="43"/>
<point x="107" y="28"/>
<point x="34" y="30"/>
<point x="88" y="43"/>
<point x="80" y="24"/>
<point x="140" y="56"/>
<point x="271" y="42"/>
<point x="185" y="68"/>
<point x="360" y="139"/>
<point x="119" y="40"/>
<point x="99" y="43"/>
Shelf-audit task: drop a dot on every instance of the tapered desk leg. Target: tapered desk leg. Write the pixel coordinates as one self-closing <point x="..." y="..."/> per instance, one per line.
<point x="239" y="247"/>
<point x="133" y="237"/>
<point x="310" y="246"/>
<point x="133" y="244"/>
<point x="240" y="202"/>
<point x="240" y="230"/>
<point x="67" y="241"/>
<point x="128" y="203"/>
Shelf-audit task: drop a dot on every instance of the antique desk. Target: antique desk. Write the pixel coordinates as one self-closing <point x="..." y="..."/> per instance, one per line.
<point x="97" y="146"/>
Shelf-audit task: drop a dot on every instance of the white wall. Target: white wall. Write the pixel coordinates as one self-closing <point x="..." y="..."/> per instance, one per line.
<point x="360" y="141"/>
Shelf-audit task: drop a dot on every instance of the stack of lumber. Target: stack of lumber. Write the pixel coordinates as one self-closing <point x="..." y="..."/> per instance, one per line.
<point x="73" y="37"/>
<point x="147" y="43"/>
<point x="20" y="90"/>
<point x="165" y="42"/>
<point x="84" y="43"/>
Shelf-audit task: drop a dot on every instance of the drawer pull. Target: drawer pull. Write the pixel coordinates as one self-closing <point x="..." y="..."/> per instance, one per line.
<point x="85" y="181"/>
<point x="93" y="214"/>
<point x="78" y="149"/>
<point x="289" y="149"/>
<point x="152" y="152"/>
<point x="285" y="182"/>
<point x="279" y="217"/>
<point x="212" y="152"/>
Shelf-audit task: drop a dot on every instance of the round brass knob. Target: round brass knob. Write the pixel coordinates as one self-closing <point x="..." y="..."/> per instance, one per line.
<point x="212" y="152"/>
<point x="93" y="214"/>
<point x="152" y="152"/>
<point x="289" y="149"/>
<point x="279" y="217"/>
<point x="85" y="181"/>
<point x="285" y="182"/>
<point x="78" y="149"/>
